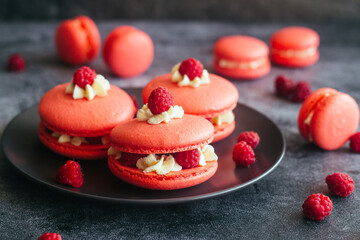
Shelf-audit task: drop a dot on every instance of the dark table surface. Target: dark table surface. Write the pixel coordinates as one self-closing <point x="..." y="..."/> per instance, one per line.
<point x="269" y="209"/>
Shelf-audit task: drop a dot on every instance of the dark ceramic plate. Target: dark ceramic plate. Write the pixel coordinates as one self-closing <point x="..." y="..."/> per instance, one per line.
<point x="25" y="152"/>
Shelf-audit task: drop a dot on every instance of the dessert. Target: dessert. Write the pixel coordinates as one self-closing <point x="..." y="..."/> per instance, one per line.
<point x="163" y="151"/>
<point x="206" y="95"/>
<point x="77" y="117"/>
<point x="241" y="57"/>
<point x="16" y="63"/>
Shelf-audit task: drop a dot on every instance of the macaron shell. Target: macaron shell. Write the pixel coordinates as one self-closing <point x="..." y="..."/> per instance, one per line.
<point x="208" y="100"/>
<point x="222" y="131"/>
<point x="295" y="61"/>
<point x="77" y="40"/>
<point x="187" y="133"/>
<point x="81" y="117"/>
<point x="84" y="151"/>
<point x="170" y="181"/>
<point x="128" y="51"/>
<point x="297" y="38"/>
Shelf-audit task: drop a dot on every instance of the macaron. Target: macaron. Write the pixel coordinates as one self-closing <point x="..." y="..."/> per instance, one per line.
<point x="76" y="123"/>
<point x="166" y="154"/>
<point x="128" y="51"/>
<point x="77" y="40"/>
<point x="207" y="95"/>
<point x="294" y="47"/>
<point x="241" y="57"/>
<point x="328" y="118"/>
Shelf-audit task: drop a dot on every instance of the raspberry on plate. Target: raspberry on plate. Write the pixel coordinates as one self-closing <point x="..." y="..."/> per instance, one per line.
<point x="160" y="100"/>
<point x="284" y="86"/>
<point x="251" y="138"/>
<point x="83" y="76"/>
<point x="317" y="206"/>
<point x="191" y="67"/>
<point x="243" y="154"/>
<point x="340" y="184"/>
<point x="300" y="92"/>
<point x="50" y="236"/>
<point x="16" y="63"/>
<point x="188" y="159"/>
<point x="355" y="142"/>
<point x="70" y="174"/>
<point x="130" y="159"/>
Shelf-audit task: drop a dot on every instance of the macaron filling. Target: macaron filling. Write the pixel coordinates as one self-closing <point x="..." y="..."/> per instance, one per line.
<point x="145" y="114"/>
<point x="243" y="65"/>
<point x="289" y="53"/>
<point x="165" y="163"/>
<point x="100" y="87"/>
<point x="184" y="80"/>
<point x="227" y="117"/>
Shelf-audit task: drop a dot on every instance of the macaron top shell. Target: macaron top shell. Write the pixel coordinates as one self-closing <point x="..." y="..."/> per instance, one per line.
<point x="294" y="38"/>
<point x="80" y="117"/>
<point x="187" y="133"/>
<point x="207" y="100"/>
<point x="240" y="47"/>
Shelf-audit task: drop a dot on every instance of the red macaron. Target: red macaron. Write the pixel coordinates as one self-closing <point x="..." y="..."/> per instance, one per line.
<point x="128" y="51"/>
<point x="328" y="118"/>
<point x="294" y="47"/>
<point x="77" y="40"/>
<point x="241" y="57"/>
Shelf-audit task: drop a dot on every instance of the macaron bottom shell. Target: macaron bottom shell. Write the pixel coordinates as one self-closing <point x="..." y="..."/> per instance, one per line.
<point x="223" y="131"/>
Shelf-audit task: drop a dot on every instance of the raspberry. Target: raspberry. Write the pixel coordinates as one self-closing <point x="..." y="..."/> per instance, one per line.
<point x="301" y="91"/>
<point x="16" y="63"/>
<point x="317" y="206"/>
<point x="284" y="86"/>
<point x="355" y="142"/>
<point x="83" y="76"/>
<point x="251" y="138"/>
<point x="160" y="100"/>
<point x="243" y="154"/>
<point x="188" y="159"/>
<point x="133" y="98"/>
<point x="70" y="174"/>
<point x="340" y="184"/>
<point x="191" y="67"/>
<point x="50" y="236"/>
<point x="130" y="159"/>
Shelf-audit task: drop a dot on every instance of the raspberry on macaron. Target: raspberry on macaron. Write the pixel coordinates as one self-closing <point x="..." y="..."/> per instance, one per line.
<point x="192" y="68"/>
<point x="188" y="159"/>
<point x="160" y="100"/>
<point x="83" y="76"/>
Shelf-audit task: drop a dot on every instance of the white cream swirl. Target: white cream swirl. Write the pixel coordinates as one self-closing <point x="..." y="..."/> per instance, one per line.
<point x="145" y="114"/>
<point x="227" y="117"/>
<point x="183" y="80"/>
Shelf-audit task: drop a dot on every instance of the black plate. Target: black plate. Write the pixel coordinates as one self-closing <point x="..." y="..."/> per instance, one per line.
<point x="25" y="152"/>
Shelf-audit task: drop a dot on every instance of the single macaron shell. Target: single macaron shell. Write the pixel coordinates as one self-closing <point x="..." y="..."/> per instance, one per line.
<point x="77" y="40"/>
<point x="128" y="51"/>
<point x="328" y="118"/>
<point x="241" y="57"/>
<point x="295" y="47"/>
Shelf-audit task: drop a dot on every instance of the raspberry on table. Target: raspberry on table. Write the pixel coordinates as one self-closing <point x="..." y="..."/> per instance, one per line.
<point x="188" y="159"/>
<point x="16" y="63"/>
<point x="83" y="76"/>
<point x="355" y="142"/>
<point x="50" y="236"/>
<point x="251" y="138"/>
<point x="340" y="184"/>
<point x="191" y="67"/>
<point x="160" y="100"/>
<point x="283" y="86"/>
<point x="130" y="159"/>
<point x="300" y="92"/>
<point x="243" y="154"/>
<point x="70" y="174"/>
<point x="317" y="206"/>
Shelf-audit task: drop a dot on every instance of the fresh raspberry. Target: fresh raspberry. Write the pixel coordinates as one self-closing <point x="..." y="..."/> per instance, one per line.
<point x="283" y="86"/>
<point x="83" y="76"/>
<point x="317" y="206"/>
<point x="160" y="100"/>
<point x="188" y="159"/>
<point x="16" y="63"/>
<point x="133" y="98"/>
<point x="251" y="138"/>
<point x="301" y="91"/>
<point x="243" y="154"/>
<point x="50" y="236"/>
<point x="130" y="159"/>
<point x="340" y="184"/>
<point x="70" y="174"/>
<point x="191" y="67"/>
<point x="355" y="142"/>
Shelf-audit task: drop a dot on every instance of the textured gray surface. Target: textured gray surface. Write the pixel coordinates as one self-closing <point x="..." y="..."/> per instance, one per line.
<point x="270" y="209"/>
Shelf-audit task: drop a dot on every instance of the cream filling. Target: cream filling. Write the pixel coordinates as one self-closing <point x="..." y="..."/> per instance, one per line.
<point x="308" y="122"/>
<point x="295" y="53"/>
<point x="183" y="80"/>
<point x="76" y="141"/>
<point x="227" y="117"/>
<point x="99" y="88"/>
<point x="242" y="65"/>
<point x="144" y="114"/>
<point x="166" y="163"/>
